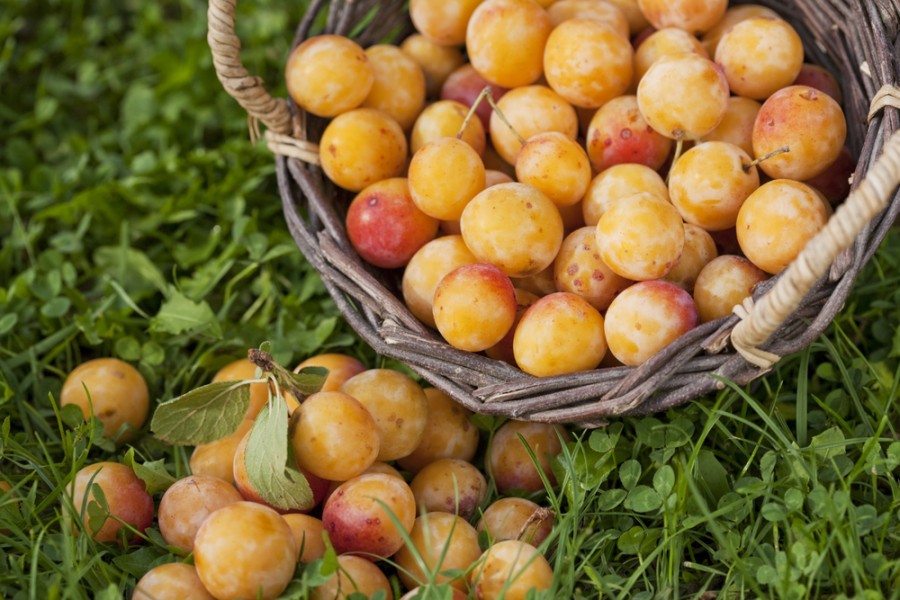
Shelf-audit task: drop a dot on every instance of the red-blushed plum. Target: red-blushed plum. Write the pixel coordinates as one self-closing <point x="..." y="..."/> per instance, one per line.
<point x="474" y="326"/>
<point x="307" y="531"/>
<point x="723" y="284"/>
<point x="171" y="581"/>
<point x="449" y="485"/>
<point x="399" y="85"/>
<point x="333" y="436"/>
<point x="328" y="75"/>
<point x="580" y="270"/>
<point x="245" y="550"/>
<point x="465" y="84"/>
<point x="448" y="433"/>
<point x="588" y="79"/>
<point x="640" y="237"/>
<point x="187" y="503"/>
<point x="444" y="175"/>
<point x="645" y="318"/>
<point x="127" y="498"/>
<point x="556" y="165"/>
<point x="111" y="390"/>
<point x="443" y="119"/>
<point x="508" y="461"/>
<point x="616" y="182"/>
<point x="618" y="134"/>
<point x="834" y="182"/>
<point x="444" y="543"/>
<point x="354" y="575"/>
<point x="357" y="520"/>
<point x="361" y="147"/>
<point x="710" y="182"/>
<point x="505" y="41"/>
<point x="699" y="249"/>
<point x="425" y="270"/>
<point x="398" y="406"/>
<point x="777" y="220"/>
<point x="806" y="121"/>
<point x="436" y="61"/>
<point x="515" y="518"/>
<point x="817" y="76"/>
<point x="560" y="333"/>
<point x="385" y="225"/>
<point x="511" y="570"/>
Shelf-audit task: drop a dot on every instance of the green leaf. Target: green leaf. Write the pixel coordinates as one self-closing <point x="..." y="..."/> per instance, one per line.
<point x="829" y="443"/>
<point x="629" y="473"/>
<point x="179" y="314"/>
<point x="110" y="592"/>
<point x="7" y="322"/>
<point x="56" y="307"/>
<point x="711" y="475"/>
<point x="141" y="560"/>
<point x="131" y="268"/>
<point x="773" y="511"/>
<point x="605" y="440"/>
<point x="643" y="499"/>
<point x="154" y="474"/>
<point x="664" y="480"/>
<point x="610" y="499"/>
<point x="270" y="462"/>
<point x="203" y="415"/>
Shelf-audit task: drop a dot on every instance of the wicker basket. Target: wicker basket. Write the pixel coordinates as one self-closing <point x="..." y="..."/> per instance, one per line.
<point x="857" y="39"/>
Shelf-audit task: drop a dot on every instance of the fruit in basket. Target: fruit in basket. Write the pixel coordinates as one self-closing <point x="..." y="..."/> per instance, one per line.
<point x="465" y="84"/>
<point x="111" y="390"/>
<point x="760" y="56"/>
<point x="556" y="165"/>
<point x="817" y="76"/>
<point x="669" y="40"/>
<point x="437" y="61"/>
<point x="442" y="22"/>
<point x="425" y="270"/>
<point x="805" y="121"/>
<point x="443" y="119"/>
<point x="444" y="175"/>
<point x="736" y="126"/>
<point x="327" y="75"/>
<point x="616" y="182"/>
<point x="445" y="543"/>
<point x="699" y="249"/>
<point x="606" y="13"/>
<point x="733" y="16"/>
<point x="385" y="225"/>
<point x="128" y="509"/>
<point x="723" y="284"/>
<point x="528" y="111"/>
<point x="694" y="16"/>
<point x="618" y="134"/>
<point x="579" y="269"/>
<point x="398" y="87"/>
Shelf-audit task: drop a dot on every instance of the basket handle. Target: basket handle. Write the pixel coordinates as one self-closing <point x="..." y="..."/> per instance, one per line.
<point x="761" y="319"/>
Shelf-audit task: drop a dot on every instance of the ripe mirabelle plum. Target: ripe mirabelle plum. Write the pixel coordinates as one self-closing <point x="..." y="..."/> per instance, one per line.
<point x="385" y="225"/>
<point x="723" y="284"/>
<point x="444" y="175"/>
<point x="556" y="165"/>
<point x="529" y="110"/>
<point x="448" y="433"/>
<point x="558" y="334"/>
<point x="245" y="550"/>
<point x="443" y="119"/>
<point x="187" y="503"/>
<point x="602" y="12"/>
<point x="640" y="237"/>
<point x="444" y="543"/>
<point x="397" y="404"/>
<point x="616" y="182"/>
<point x="514" y="227"/>
<point x="127" y="498"/>
<point x="694" y="16"/>
<point x="503" y="350"/>
<point x="588" y="63"/>
<point x="645" y="318"/>
<point x="465" y="84"/>
<point x="505" y="41"/>
<point x="449" y="485"/>
<point x="699" y="249"/>
<point x="508" y="461"/>
<point x="426" y="269"/>
<point x="216" y="459"/>
<point x="341" y="367"/>
<point x="111" y="390"/>
<point x="697" y="109"/>
<point x="428" y="592"/>
<point x="710" y="182"/>
<point x="333" y="436"/>
<point x="171" y="581"/>
<point x="817" y="76"/>
<point x="442" y="22"/>
<point x="474" y="306"/>
<point x="328" y="75"/>
<point x="437" y="61"/>
<point x="356" y="515"/>
<point x="511" y="570"/>
<point x="618" y="133"/>
<point x="661" y="42"/>
<point x="307" y="532"/>
<point x="636" y="20"/>
<point x="241" y="370"/>
<point x="516" y="518"/>
<point x="759" y="56"/>
<point x="806" y="121"/>
<point x="355" y="575"/>
<point x="399" y="85"/>
<point x="777" y="220"/>
<point x="736" y="126"/>
<point x="732" y="17"/>
<point x="362" y="146"/>
<point x="579" y="269"/>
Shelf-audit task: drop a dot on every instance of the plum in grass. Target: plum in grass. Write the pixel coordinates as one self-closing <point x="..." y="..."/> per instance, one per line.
<point x="449" y="485"/>
<point x="618" y="134"/>
<point x="515" y="518"/>
<point x="130" y="506"/>
<point x="357" y="520"/>
<point x="307" y="531"/>
<point x="354" y="576"/>
<point x="341" y="367"/>
<point x="474" y="306"/>
<point x="385" y="225"/>
<point x="187" y="503"/>
<point x="645" y="318"/>
<point x="171" y="581"/>
<point x="511" y="570"/>
<point x="508" y="459"/>
<point x="245" y="550"/>
<point x="328" y="75"/>
<point x="242" y="370"/>
<point x="216" y="458"/>
<point x="111" y="390"/>
<point x="361" y="147"/>
<point x="448" y="433"/>
<point x="446" y="544"/>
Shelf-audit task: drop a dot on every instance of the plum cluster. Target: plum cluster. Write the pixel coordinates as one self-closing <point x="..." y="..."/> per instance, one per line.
<point x="601" y="176"/>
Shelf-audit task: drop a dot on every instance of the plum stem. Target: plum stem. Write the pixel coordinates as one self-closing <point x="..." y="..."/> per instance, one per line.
<point x="485" y="94"/>
<point x="755" y="162"/>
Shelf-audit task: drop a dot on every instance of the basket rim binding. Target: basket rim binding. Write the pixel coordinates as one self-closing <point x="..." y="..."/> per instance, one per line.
<point x="785" y="314"/>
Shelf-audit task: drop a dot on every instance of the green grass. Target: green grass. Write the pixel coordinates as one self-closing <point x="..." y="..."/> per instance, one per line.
<point x="138" y="221"/>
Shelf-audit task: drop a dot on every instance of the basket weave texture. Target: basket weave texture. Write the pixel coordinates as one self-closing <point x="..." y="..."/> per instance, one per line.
<point x="857" y="40"/>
